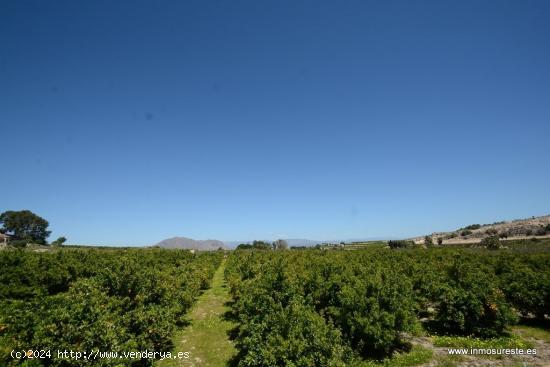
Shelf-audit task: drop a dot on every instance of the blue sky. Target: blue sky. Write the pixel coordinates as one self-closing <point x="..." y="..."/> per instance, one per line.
<point x="126" y="122"/>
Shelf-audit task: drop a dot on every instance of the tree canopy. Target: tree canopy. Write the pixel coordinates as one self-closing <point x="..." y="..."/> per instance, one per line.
<point x="256" y="245"/>
<point x="59" y="242"/>
<point x="24" y="225"/>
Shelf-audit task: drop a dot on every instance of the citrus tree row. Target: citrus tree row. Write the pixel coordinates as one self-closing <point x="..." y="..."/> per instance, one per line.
<point x="319" y="308"/>
<point x="107" y="300"/>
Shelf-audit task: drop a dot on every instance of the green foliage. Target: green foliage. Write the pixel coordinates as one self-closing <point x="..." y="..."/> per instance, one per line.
<point x="492" y="242"/>
<point x="470" y="302"/>
<point x="261" y="245"/>
<point x="291" y="336"/>
<point x="256" y="245"/>
<point x="19" y="244"/>
<point x="416" y="356"/>
<point x="293" y="308"/>
<point x="473" y="227"/>
<point x="244" y="246"/>
<point x="504" y="342"/>
<point x="360" y="308"/>
<point x="372" y="312"/>
<point x="366" y="300"/>
<point x="59" y="242"/>
<point x="111" y="300"/>
<point x="543" y="230"/>
<point x="25" y="226"/>
<point x="439" y="241"/>
<point x="531" y="332"/>
<point x="394" y="244"/>
<point x="465" y="233"/>
<point x="526" y="283"/>
<point x="428" y="241"/>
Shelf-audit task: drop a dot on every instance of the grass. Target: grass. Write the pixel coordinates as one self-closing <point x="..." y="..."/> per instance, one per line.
<point x="514" y="341"/>
<point x="207" y="337"/>
<point x="416" y="356"/>
<point x="528" y="245"/>
<point x="506" y="342"/>
<point x="531" y="332"/>
<point x="449" y="361"/>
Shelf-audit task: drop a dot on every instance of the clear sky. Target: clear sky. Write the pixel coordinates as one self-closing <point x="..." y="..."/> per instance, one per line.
<point x="126" y="122"/>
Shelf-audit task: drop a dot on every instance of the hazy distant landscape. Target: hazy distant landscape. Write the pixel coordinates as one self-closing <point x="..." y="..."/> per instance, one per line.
<point x="534" y="227"/>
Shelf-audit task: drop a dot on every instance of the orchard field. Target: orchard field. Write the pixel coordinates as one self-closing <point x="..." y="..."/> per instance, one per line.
<point x="108" y="300"/>
<point x="342" y="308"/>
<point x="368" y="307"/>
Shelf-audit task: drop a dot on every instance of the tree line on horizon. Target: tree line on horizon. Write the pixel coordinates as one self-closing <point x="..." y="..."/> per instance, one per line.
<point x="264" y="245"/>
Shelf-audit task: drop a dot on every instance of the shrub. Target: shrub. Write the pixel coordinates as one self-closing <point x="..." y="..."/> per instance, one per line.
<point x="473" y="226"/>
<point x="374" y="311"/>
<point x="369" y="305"/>
<point x="526" y="287"/>
<point x="18" y="243"/>
<point x="439" y="241"/>
<point x="244" y="246"/>
<point x="465" y="233"/>
<point x="400" y="243"/>
<point x="256" y="245"/>
<point x="428" y="241"/>
<point x="366" y="300"/>
<point x="59" y="242"/>
<point x="293" y="335"/>
<point x="471" y="303"/>
<point x="492" y="242"/>
<point x="108" y="300"/>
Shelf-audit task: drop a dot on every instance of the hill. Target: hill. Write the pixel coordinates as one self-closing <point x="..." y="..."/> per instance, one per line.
<point x="191" y="244"/>
<point x="515" y="229"/>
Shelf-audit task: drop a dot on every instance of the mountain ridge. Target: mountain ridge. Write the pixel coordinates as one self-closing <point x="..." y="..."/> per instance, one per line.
<point x="191" y="244"/>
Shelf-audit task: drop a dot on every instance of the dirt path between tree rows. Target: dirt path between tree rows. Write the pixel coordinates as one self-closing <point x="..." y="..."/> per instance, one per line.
<point x="207" y="337"/>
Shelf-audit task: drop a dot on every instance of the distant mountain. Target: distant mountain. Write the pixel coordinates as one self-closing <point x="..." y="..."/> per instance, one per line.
<point x="191" y="244"/>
